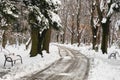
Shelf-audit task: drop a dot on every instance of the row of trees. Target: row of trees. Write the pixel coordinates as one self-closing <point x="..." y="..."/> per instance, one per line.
<point x="87" y="21"/>
<point x="83" y="20"/>
<point x="38" y="16"/>
<point x="104" y="9"/>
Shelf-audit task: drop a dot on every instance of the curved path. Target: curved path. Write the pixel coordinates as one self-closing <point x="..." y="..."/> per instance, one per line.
<point x="71" y="66"/>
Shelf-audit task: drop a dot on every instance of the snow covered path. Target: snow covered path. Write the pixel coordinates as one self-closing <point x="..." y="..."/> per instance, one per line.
<point x="72" y="66"/>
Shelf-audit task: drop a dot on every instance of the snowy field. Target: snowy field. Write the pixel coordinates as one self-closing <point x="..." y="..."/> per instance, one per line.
<point x="101" y="67"/>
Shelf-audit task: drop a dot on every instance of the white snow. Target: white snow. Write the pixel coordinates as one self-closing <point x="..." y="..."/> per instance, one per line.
<point x="101" y="68"/>
<point x="94" y="3"/>
<point x="95" y="36"/>
<point x="8" y="11"/>
<point x="117" y="25"/>
<point x="96" y="22"/>
<point x="55" y="17"/>
<point x="55" y="2"/>
<point x="110" y="12"/>
<point x="104" y="20"/>
<point x="108" y="1"/>
<point x="102" y="6"/>
<point x="30" y="65"/>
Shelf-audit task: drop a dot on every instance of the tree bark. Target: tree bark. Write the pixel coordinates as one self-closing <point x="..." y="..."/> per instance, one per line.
<point x="4" y="41"/>
<point x="40" y="42"/>
<point x="94" y="31"/>
<point x="57" y="36"/>
<point x="78" y="22"/>
<point x="105" y="36"/>
<point x="47" y="40"/>
<point x="35" y="41"/>
<point x="72" y="38"/>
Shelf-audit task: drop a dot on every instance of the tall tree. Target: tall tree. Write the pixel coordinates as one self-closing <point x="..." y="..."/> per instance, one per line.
<point x="105" y="10"/>
<point x="47" y="40"/>
<point x="95" y="26"/>
<point x="78" y="21"/>
<point x="8" y="14"/>
<point x="42" y="16"/>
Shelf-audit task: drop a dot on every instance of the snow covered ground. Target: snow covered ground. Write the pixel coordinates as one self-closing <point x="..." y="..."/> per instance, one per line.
<point x="101" y="67"/>
<point x="30" y="65"/>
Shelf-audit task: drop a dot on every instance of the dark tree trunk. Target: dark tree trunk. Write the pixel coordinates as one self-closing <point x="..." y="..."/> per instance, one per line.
<point x="78" y="22"/>
<point x="35" y="41"/>
<point x="105" y="36"/>
<point x="78" y="39"/>
<point x="72" y="38"/>
<point x="57" y="36"/>
<point x="72" y="27"/>
<point x="40" y="42"/>
<point x="64" y="34"/>
<point x="94" y="28"/>
<point x="4" y="41"/>
<point x="47" y="40"/>
<point x="94" y="31"/>
<point x="78" y="26"/>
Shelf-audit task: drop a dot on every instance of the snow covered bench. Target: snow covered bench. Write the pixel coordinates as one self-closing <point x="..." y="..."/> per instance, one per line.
<point x="11" y="57"/>
<point x="113" y="55"/>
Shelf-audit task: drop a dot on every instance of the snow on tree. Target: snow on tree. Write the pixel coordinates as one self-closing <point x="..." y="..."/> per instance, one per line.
<point x="42" y="17"/>
<point x="106" y="9"/>
<point x="44" y="12"/>
<point x="117" y="25"/>
<point x="8" y="12"/>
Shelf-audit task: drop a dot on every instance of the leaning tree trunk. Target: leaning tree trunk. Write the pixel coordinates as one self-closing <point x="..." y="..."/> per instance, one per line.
<point x="47" y="40"/>
<point x="34" y="39"/>
<point x="105" y="36"/>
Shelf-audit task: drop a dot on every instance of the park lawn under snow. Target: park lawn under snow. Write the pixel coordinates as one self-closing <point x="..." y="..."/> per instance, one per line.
<point x="101" y="68"/>
<point x="30" y="65"/>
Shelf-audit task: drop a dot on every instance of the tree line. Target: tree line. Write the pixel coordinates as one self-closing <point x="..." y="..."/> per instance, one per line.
<point x="80" y="21"/>
<point x="34" y="16"/>
<point x="90" y="21"/>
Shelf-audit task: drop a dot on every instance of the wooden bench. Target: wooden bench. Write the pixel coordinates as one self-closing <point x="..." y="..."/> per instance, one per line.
<point x="11" y="57"/>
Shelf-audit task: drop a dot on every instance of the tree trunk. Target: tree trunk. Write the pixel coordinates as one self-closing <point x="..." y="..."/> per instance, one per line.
<point x="57" y="36"/>
<point x="78" y="22"/>
<point x="47" y="40"/>
<point x="4" y="41"/>
<point x="72" y="27"/>
<point x="35" y="40"/>
<point x="105" y="37"/>
<point x="64" y="34"/>
<point x="72" y="38"/>
<point x="78" y="39"/>
<point x="40" y="42"/>
<point x="95" y="36"/>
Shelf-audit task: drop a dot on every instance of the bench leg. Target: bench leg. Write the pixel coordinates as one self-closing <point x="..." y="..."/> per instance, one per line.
<point x="4" y="63"/>
<point x="12" y="63"/>
<point x="21" y="61"/>
<point x="20" y="58"/>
